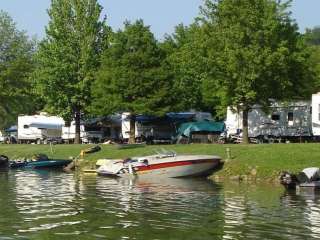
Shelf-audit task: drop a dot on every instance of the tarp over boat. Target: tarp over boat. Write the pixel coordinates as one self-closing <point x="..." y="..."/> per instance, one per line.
<point x="186" y="129"/>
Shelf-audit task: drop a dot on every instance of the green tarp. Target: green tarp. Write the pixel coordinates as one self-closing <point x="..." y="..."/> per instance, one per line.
<point x="203" y="126"/>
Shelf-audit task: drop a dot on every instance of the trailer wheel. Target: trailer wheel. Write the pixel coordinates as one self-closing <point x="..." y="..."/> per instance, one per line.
<point x="271" y="140"/>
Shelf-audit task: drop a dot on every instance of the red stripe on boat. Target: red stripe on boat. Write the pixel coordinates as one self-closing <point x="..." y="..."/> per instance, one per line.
<point x="173" y="164"/>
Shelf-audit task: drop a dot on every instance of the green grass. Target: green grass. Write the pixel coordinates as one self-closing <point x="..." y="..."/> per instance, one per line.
<point x="267" y="159"/>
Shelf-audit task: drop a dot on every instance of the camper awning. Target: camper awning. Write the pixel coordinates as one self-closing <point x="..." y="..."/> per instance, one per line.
<point x="46" y="125"/>
<point x="203" y="126"/>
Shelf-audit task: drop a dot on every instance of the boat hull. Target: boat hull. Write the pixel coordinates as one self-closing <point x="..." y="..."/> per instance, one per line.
<point x="40" y="164"/>
<point x="167" y="167"/>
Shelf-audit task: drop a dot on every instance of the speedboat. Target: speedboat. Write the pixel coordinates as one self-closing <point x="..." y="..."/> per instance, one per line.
<point x="50" y="163"/>
<point x="39" y="161"/>
<point x="167" y="164"/>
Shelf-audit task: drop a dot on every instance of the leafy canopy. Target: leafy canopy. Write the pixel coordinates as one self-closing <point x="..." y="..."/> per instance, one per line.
<point x="69" y="56"/>
<point x="133" y="76"/>
<point x="256" y="52"/>
<point x="16" y="65"/>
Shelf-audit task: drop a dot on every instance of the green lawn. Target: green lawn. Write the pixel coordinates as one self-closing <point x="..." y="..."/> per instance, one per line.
<point x="267" y="159"/>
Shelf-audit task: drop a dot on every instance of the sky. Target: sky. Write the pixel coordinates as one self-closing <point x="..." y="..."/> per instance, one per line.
<point x="161" y="15"/>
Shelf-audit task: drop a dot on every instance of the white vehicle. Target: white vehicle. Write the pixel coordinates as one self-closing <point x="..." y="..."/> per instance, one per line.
<point x="39" y="128"/>
<point x="283" y="121"/>
<point x="87" y="134"/>
<point x="2" y="138"/>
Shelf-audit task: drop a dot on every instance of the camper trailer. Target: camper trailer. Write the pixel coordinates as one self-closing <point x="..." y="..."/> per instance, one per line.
<point x="159" y="129"/>
<point x="89" y="133"/>
<point x="39" y="128"/>
<point x="282" y="121"/>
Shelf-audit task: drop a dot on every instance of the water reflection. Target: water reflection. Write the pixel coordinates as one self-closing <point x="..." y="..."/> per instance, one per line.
<point x="44" y="197"/>
<point x="53" y="205"/>
<point x="308" y="201"/>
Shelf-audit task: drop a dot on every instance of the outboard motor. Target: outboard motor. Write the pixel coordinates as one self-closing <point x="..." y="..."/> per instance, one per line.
<point x="288" y="180"/>
<point x="4" y="161"/>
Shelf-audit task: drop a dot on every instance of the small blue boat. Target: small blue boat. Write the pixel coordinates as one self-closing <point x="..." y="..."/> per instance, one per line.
<point x="49" y="163"/>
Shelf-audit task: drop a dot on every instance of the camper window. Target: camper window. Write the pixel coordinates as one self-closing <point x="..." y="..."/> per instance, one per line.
<point x="25" y="126"/>
<point x="290" y="116"/>
<point x="275" y="117"/>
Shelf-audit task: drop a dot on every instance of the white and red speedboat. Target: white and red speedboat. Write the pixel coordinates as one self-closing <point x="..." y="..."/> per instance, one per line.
<point x="167" y="164"/>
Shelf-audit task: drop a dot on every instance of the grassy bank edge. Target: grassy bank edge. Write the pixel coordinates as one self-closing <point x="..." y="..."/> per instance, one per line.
<point x="247" y="162"/>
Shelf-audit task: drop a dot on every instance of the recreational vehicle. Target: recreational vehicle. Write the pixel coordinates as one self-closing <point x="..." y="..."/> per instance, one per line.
<point x="89" y="133"/>
<point x="296" y="120"/>
<point x="39" y="128"/>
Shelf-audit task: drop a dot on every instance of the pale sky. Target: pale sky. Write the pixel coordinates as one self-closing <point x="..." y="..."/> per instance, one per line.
<point x="161" y="15"/>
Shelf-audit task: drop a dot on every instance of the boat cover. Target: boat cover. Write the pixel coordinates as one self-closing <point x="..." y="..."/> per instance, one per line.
<point x="202" y="126"/>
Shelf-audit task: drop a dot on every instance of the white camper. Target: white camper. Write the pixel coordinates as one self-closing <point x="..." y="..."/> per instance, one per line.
<point x="39" y="128"/>
<point x="316" y="114"/>
<point x="87" y="134"/>
<point x="125" y="126"/>
<point x="283" y="121"/>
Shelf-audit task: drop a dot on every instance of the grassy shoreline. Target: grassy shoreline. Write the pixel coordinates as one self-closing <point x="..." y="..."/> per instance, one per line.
<point x="262" y="161"/>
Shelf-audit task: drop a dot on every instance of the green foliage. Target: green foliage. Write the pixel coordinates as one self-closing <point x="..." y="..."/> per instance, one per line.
<point x="312" y="36"/>
<point x="133" y="76"/>
<point x="256" y="54"/>
<point x="16" y="52"/>
<point x="69" y="55"/>
<point x="187" y="57"/>
<point x="257" y="51"/>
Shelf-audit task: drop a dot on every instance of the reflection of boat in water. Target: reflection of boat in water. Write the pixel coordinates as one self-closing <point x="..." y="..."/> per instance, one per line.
<point x="166" y="164"/>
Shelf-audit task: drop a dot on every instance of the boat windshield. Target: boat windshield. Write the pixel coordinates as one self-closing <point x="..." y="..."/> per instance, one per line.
<point x="162" y="153"/>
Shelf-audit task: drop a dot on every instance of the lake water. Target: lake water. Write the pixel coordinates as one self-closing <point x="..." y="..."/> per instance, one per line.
<point x="56" y="205"/>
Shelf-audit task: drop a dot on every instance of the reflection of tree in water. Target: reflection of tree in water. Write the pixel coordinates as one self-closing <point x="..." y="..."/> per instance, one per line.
<point x="305" y="205"/>
<point x="9" y="214"/>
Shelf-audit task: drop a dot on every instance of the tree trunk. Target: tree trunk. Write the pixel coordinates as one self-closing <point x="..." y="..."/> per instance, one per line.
<point x="77" y="124"/>
<point x="245" y="135"/>
<point x="132" y="138"/>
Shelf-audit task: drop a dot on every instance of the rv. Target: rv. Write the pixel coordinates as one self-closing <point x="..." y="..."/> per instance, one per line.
<point x="159" y="129"/>
<point x="89" y="133"/>
<point x="39" y="128"/>
<point x="296" y="121"/>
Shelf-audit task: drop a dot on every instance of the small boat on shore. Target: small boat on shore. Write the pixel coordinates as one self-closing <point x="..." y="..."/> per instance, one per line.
<point x="50" y="163"/>
<point x="167" y="164"/>
<point x="308" y="178"/>
<point x="39" y="161"/>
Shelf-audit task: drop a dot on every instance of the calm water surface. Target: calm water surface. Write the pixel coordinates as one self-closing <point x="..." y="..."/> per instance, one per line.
<point x="55" y="205"/>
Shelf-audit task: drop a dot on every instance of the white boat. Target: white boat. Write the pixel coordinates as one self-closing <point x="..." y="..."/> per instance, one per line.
<point x="165" y="164"/>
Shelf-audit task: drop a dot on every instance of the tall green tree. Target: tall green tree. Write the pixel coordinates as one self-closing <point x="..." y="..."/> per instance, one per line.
<point x="256" y="53"/>
<point x="69" y="57"/>
<point x="187" y="56"/>
<point x="16" y="65"/>
<point x="133" y="76"/>
<point x="312" y="38"/>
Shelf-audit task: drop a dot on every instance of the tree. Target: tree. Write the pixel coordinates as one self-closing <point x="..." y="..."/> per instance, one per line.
<point x="16" y="65"/>
<point x="69" y="57"/>
<point x="133" y="76"/>
<point x="256" y="53"/>
<point x="187" y="57"/>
